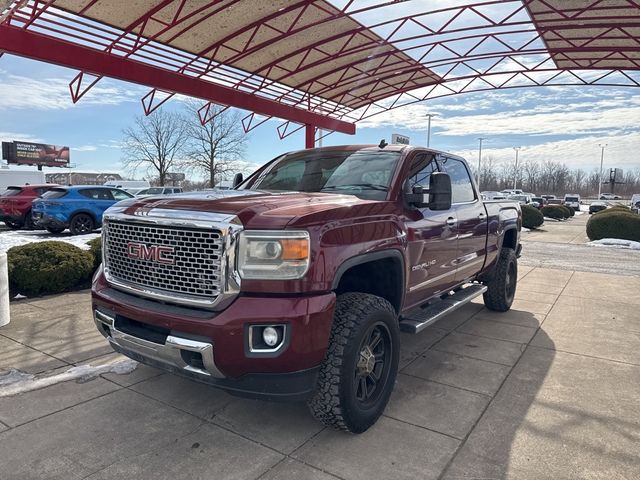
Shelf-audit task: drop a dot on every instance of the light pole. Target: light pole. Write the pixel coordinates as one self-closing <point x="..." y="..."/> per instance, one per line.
<point x="479" y="159"/>
<point x="515" y="175"/>
<point x="602" y="147"/>
<point x="429" y="115"/>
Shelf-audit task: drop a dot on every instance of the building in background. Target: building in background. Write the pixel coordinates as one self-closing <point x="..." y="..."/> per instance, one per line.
<point x="82" y="178"/>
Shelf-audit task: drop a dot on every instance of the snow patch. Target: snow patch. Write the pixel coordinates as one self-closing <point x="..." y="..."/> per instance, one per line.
<point x="615" y="243"/>
<point x="14" y="381"/>
<point x="22" y="237"/>
<point x="548" y="219"/>
<point x="525" y="229"/>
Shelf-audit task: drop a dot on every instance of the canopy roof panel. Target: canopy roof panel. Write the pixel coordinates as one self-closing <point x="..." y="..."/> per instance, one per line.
<point x="250" y="35"/>
<point x="579" y="34"/>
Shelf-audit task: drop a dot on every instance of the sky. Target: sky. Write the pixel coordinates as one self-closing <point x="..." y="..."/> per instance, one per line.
<point x="565" y="124"/>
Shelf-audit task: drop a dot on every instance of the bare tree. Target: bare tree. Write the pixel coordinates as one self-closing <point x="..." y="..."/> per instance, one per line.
<point x="154" y="142"/>
<point x="214" y="148"/>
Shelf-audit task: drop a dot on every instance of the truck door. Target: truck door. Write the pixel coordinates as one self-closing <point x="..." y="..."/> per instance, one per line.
<point x="432" y="240"/>
<point x="472" y="219"/>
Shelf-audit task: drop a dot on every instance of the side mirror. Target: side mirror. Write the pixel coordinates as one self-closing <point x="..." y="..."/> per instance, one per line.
<point x="438" y="197"/>
<point x="237" y="179"/>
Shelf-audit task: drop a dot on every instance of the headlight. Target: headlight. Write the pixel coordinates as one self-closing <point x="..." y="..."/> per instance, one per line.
<point x="268" y="255"/>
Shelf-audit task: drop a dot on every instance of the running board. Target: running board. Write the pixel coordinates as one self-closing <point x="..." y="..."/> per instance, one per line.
<point x="420" y="318"/>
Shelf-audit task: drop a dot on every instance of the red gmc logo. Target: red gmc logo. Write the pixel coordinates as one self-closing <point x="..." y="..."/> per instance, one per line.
<point x="151" y="253"/>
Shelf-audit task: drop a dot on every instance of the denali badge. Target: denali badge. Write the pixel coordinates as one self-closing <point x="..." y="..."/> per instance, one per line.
<point x="152" y="253"/>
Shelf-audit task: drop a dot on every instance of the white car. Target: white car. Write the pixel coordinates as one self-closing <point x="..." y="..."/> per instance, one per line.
<point x="149" y="192"/>
<point x="521" y="199"/>
<point x="572" y="200"/>
<point x="609" y="196"/>
<point x="635" y="202"/>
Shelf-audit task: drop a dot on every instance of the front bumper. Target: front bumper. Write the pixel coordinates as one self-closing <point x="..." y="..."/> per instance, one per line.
<point x="212" y="347"/>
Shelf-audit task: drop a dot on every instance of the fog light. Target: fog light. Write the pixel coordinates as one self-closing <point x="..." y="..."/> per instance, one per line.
<point x="270" y="336"/>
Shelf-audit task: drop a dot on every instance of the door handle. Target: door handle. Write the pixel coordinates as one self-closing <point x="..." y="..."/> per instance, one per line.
<point x="451" y="221"/>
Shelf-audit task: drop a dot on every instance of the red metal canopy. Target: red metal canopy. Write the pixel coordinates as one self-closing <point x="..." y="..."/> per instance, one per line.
<point x="327" y="64"/>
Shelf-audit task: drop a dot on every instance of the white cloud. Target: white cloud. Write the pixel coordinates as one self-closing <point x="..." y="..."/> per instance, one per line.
<point x="11" y="136"/>
<point x="53" y="93"/>
<point x="85" y="148"/>
<point x="621" y="152"/>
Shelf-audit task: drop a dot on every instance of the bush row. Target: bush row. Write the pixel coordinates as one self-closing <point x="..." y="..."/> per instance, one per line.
<point x="51" y="267"/>
<point x="615" y="222"/>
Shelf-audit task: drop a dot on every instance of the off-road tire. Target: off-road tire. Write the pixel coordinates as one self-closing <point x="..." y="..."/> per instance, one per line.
<point x="502" y="286"/>
<point x="81" y="224"/>
<point x="335" y="402"/>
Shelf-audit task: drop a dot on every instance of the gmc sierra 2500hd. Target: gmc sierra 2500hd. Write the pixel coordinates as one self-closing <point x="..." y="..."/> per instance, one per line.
<point x="296" y="284"/>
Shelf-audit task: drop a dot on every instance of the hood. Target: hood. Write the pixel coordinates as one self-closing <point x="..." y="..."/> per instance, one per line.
<point x="256" y="209"/>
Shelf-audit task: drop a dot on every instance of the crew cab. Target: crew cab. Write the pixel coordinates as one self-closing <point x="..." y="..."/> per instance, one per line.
<point x="15" y="204"/>
<point x="295" y="284"/>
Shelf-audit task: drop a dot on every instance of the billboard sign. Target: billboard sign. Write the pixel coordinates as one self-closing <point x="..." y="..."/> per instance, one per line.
<point x="401" y="139"/>
<point x="27" y="153"/>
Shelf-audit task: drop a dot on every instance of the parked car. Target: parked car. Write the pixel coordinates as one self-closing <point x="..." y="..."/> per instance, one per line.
<point x="555" y="201"/>
<point x="522" y="199"/>
<point x="78" y="208"/>
<point x="635" y="202"/>
<point x="127" y="184"/>
<point x="15" y="204"/>
<point x="572" y="200"/>
<point x="514" y="191"/>
<point x="491" y="195"/>
<point x="596" y="207"/>
<point x="539" y="202"/>
<point x="302" y="296"/>
<point x="148" y="192"/>
<point x="548" y="197"/>
<point x="609" y="196"/>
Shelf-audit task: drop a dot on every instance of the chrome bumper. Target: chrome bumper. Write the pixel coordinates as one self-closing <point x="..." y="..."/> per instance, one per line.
<point x="169" y="353"/>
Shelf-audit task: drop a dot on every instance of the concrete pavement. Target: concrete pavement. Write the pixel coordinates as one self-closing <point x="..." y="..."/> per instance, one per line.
<point x="547" y="390"/>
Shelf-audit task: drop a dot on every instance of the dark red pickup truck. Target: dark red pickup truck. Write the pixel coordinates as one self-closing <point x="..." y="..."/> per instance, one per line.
<point x="295" y="285"/>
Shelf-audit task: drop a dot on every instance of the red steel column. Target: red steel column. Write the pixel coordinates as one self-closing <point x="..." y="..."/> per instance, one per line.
<point x="309" y="136"/>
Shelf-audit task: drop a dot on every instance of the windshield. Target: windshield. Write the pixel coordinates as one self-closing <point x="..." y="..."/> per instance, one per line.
<point x="361" y="173"/>
<point x="11" y="191"/>
<point x="54" y="193"/>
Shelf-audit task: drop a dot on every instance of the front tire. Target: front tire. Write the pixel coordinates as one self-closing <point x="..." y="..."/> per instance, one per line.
<point x="502" y="286"/>
<point x="360" y="367"/>
<point x="81" y="224"/>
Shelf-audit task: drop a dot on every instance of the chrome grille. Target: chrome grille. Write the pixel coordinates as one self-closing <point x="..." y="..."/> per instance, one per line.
<point x="194" y="272"/>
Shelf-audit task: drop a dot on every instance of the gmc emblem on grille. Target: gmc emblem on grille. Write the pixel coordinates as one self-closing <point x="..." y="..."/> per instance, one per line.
<point x="151" y="253"/>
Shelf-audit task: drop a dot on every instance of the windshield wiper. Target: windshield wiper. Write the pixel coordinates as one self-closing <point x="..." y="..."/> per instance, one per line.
<point x="368" y="186"/>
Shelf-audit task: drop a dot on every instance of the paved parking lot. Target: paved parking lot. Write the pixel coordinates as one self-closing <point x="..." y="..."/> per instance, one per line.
<point x="547" y="390"/>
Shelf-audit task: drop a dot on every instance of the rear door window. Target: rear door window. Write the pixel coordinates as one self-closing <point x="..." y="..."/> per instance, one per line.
<point x="120" y="195"/>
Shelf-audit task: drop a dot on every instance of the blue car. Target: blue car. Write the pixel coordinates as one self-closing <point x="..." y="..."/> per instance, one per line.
<point x="78" y="208"/>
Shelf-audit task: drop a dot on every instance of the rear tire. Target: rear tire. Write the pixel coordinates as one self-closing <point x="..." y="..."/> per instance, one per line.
<point x="81" y="224"/>
<point x="502" y="286"/>
<point x="13" y="225"/>
<point x="28" y="221"/>
<point x="360" y="367"/>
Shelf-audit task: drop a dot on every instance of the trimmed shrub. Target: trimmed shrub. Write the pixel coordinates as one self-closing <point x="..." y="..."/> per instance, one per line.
<point x="568" y="211"/>
<point x="95" y="249"/>
<point x="531" y="217"/>
<point x="614" y="223"/>
<point x="558" y="212"/>
<point x="48" y="267"/>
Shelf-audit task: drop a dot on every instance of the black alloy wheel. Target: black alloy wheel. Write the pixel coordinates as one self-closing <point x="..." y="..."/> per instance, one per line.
<point x="81" y="224"/>
<point x="372" y="370"/>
